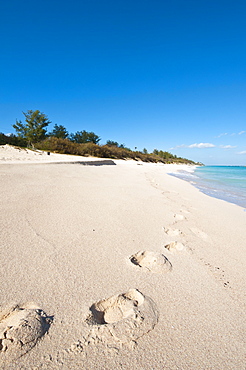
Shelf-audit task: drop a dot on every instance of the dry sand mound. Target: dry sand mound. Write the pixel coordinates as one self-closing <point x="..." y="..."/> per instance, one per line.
<point x="20" y="328"/>
<point x="151" y="261"/>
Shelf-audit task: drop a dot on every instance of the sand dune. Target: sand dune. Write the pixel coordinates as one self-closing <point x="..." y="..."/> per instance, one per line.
<point x="11" y="154"/>
<point x="69" y="235"/>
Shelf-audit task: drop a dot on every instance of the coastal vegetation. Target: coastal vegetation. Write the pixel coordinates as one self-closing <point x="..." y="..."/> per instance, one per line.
<point x="34" y="130"/>
<point x="33" y="133"/>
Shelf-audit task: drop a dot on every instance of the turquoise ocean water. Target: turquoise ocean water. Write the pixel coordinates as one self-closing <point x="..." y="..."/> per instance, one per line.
<point x="223" y="182"/>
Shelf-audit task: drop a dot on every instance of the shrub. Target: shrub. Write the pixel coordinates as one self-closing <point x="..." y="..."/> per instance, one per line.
<point x="65" y="146"/>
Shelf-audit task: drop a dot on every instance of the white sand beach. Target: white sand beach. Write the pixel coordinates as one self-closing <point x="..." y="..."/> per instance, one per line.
<point x="170" y="258"/>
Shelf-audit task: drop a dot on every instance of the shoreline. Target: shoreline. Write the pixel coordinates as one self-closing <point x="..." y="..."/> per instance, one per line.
<point x="68" y="236"/>
<point x="209" y="187"/>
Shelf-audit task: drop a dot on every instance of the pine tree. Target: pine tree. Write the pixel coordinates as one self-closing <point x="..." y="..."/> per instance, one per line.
<point x="59" y="131"/>
<point x="34" y="130"/>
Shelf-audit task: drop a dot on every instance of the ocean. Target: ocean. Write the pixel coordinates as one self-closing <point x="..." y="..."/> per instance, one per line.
<point x="223" y="182"/>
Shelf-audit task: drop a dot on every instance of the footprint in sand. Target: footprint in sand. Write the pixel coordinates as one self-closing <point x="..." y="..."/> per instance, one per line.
<point x="178" y="217"/>
<point x="185" y="210"/>
<point x="119" y="319"/>
<point x="151" y="261"/>
<point x="199" y="233"/>
<point x="176" y="247"/>
<point x="172" y="232"/>
<point x="20" y="329"/>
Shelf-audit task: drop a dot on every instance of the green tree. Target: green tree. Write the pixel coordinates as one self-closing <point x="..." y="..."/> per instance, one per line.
<point x="34" y="129"/>
<point x="165" y="155"/>
<point x="145" y="151"/>
<point x="12" y="140"/>
<point x="112" y="143"/>
<point x="59" y="131"/>
<point x="82" y="137"/>
<point x="122" y="146"/>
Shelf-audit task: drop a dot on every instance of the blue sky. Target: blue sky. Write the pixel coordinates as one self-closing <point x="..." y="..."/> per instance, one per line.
<point x="152" y="74"/>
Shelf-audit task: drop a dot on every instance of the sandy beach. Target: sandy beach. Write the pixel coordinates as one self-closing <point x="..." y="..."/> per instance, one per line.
<point x="117" y="265"/>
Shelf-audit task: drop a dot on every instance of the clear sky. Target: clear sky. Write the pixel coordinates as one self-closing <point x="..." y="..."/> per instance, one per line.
<point x="150" y="74"/>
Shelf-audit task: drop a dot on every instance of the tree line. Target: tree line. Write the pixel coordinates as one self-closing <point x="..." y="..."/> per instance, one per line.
<point x="33" y="132"/>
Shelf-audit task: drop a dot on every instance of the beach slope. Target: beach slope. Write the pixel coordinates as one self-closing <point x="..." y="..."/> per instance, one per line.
<point x="121" y="266"/>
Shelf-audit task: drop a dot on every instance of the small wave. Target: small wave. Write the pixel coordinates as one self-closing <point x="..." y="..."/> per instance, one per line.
<point x="184" y="175"/>
<point x="213" y="182"/>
